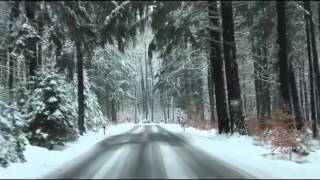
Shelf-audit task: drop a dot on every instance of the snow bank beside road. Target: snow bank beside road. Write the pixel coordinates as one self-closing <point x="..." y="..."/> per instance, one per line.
<point x="41" y="161"/>
<point x="241" y="152"/>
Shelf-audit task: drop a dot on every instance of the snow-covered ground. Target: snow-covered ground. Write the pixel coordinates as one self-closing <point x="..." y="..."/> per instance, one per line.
<point x="41" y="161"/>
<point x="242" y="152"/>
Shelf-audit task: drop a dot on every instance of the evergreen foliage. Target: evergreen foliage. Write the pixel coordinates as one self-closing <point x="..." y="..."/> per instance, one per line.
<point x="51" y="111"/>
<point x="12" y="138"/>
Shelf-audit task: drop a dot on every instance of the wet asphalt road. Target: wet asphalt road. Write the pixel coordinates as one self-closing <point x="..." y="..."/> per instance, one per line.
<point x="147" y="152"/>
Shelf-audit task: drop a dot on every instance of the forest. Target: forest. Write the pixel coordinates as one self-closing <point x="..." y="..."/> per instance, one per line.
<point x="243" y="67"/>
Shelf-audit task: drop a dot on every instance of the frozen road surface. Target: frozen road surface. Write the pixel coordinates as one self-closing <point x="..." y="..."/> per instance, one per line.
<point x="147" y="152"/>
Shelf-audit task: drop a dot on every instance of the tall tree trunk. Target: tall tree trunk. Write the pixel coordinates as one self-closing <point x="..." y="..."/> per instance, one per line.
<point x="151" y="89"/>
<point x="40" y="24"/>
<point x="265" y="87"/>
<point x="265" y="83"/>
<point x="257" y="82"/>
<point x="245" y="99"/>
<point x="135" y="104"/>
<point x="58" y="50"/>
<point x="295" y="99"/>
<point x="162" y="104"/>
<point x="216" y="62"/>
<point x="301" y="90"/>
<point x="317" y="100"/>
<point x="309" y="106"/>
<point x="14" y="13"/>
<point x="11" y="75"/>
<point x="201" y="102"/>
<point x="168" y="106"/>
<point x="143" y="90"/>
<point x="31" y="44"/>
<point x="189" y="103"/>
<point x="314" y="67"/>
<point x="146" y="81"/>
<point x="306" y="98"/>
<point x="80" y="88"/>
<point x="231" y="66"/>
<point x="283" y="57"/>
<point x="165" y="106"/>
<point x="109" y="110"/>
<point x="113" y="111"/>
<point x="319" y="16"/>
<point x="137" y="99"/>
<point x="172" y="109"/>
<point x="211" y="91"/>
<point x="244" y="92"/>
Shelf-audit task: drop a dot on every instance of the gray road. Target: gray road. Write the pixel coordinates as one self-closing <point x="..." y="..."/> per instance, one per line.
<point x="146" y="152"/>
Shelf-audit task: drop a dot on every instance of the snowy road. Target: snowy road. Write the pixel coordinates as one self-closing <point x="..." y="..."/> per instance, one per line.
<point x="146" y="152"/>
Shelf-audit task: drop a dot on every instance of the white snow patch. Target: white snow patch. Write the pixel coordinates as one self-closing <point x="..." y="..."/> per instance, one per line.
<point x="52" y="99"/>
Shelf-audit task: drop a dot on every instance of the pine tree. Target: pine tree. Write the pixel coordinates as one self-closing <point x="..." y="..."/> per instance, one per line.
<point x="12" y="138"/>
<point x="51" y="110"/>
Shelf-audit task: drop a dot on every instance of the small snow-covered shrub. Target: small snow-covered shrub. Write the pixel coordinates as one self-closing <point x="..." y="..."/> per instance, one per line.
<point x="12" y="140"/>
<point x="51" y="109"/>
<point x="181" y="115"/>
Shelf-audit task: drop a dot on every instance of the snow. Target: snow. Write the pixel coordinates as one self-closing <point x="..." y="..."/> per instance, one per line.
<point x="41" y="161"/>
<point x="241" y="152"/>
<point x="57" y="113"/>
<point x="115" y="11"/>
<point x="52" y="100"/>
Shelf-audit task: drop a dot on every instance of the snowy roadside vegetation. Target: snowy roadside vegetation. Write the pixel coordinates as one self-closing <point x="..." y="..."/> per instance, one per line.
<point x="41" y="161"/>
<point x="12" y="138"/>
<point x="45" y="116"/>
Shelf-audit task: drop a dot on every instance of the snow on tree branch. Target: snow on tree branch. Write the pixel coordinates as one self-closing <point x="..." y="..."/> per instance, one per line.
<point x="115" y="12"/>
